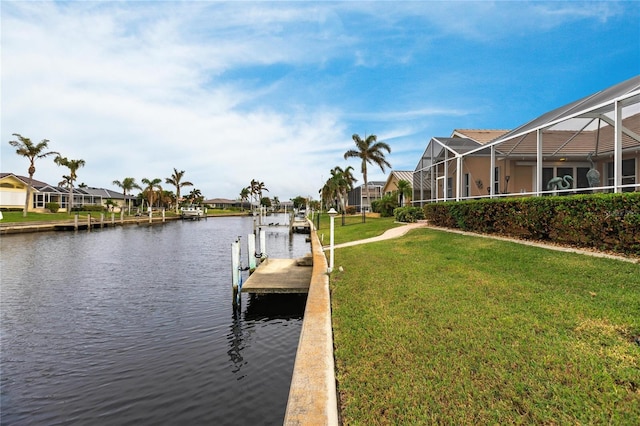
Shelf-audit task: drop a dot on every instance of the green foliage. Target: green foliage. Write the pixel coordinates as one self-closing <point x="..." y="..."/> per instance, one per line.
<point x="52" y="207"/>
<point x="385" y="205"/>
<point x="408" y="214"/>
<point x="299" y="201"/>
<point x="600" y="221"/>
<point x="265" y="201"/>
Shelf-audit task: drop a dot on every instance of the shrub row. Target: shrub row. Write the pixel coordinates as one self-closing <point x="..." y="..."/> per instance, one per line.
<point x="600" y="221"/>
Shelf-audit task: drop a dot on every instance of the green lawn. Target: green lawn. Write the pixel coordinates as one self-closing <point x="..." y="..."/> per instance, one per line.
<point x="353" y="229"/>
<point x="443" y="328"/>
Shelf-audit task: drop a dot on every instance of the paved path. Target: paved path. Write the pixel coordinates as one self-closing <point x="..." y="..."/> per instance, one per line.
<point x="402" y="230"/>
<point x="396" y="232"/>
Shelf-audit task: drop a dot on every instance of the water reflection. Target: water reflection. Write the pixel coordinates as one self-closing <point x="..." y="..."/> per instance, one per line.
<point x="135" y="325"/>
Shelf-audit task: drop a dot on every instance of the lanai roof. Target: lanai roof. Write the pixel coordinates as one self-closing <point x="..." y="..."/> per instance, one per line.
<point x="481" y="136"/>
<point x="580" y="127"/>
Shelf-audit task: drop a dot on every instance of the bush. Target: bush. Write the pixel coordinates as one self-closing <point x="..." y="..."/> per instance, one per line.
<point x="52" y="207"/>
<point x="351" y="210"/>
<point x="385" y="205"/>
<point x="408" y="214"/>
<point x="600" y="221"/>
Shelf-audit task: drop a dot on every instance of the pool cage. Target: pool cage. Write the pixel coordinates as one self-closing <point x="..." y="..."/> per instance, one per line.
<point x="590" y="145"/>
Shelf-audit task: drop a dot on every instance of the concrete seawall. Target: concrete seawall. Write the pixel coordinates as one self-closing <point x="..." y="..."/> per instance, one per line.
<point x="312" y="396"/>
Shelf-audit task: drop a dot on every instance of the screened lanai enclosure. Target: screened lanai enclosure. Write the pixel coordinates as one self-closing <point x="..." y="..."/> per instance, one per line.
<point x="590" y="145"/>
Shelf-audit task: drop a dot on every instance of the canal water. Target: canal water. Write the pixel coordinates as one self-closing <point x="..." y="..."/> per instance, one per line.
<point x="135" y="325"/>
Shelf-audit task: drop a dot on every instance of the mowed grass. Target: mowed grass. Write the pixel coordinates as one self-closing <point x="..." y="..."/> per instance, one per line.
<point x="353" y="229"/>
<point x="438" y="328"/>
<point x="16" y="217"/>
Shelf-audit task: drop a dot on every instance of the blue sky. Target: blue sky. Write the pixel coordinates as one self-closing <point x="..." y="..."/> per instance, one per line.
<point x="273" y="91"/>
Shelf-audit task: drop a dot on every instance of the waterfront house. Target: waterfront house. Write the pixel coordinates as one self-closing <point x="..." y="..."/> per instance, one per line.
<point x="13" y="190"/>
<point x="391" y="185"/>
<point x="590" y="145"/>
<point x="361" y="200"/>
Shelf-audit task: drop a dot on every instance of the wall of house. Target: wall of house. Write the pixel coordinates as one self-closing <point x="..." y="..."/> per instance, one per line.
<point x="12" y="193"/>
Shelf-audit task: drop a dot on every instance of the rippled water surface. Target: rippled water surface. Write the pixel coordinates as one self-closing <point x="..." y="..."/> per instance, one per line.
<point x="135" y="325"/>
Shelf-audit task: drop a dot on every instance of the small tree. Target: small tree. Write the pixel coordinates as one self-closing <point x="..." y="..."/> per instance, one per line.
<point x="31" y="151"/>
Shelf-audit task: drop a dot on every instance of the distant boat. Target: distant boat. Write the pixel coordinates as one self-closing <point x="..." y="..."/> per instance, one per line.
<point x="191" y="212"/>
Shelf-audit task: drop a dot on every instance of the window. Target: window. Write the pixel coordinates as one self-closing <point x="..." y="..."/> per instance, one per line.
<point x="628" y="173"/>
<point x="466" y="186"/>
<point x="449" y="187"/>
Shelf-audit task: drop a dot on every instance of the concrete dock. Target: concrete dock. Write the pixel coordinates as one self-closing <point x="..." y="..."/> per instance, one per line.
<point x="279" y="276"/>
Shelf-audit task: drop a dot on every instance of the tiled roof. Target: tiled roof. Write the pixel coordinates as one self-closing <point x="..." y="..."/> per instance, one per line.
<point x="479" y="135"/>
<point x="25" y="179"/>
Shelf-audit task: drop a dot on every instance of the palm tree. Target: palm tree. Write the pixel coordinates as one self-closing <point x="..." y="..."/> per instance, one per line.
<point x="404" y="190"/>
<point x="369" y="151"/>
<point x="73" y="166"/>
<point x="127" y="185"/>
<point x="28" y="149"/>
<point x="175" y="180"/>
<point x="65" y="182"/>
<point x="256" y="187"/>
<point x="195" y="196"/>
<point x="244" y="196"/>
<point x="150" y="189"/>
<point x="346" y="184"/>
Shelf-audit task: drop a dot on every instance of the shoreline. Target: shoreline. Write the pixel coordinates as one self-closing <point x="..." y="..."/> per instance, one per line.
<point x="69" y="225"/>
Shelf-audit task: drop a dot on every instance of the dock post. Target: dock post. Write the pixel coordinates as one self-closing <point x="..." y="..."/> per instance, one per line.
<point x="150" y="214"/>
<point x="75" y="222"/>
<point x="251" y="246"/>
<point x="88" y="222"/>
<point x="235" y="270"/>
<point x="113" y="219"/>
<point x="163" y="215"/>
<point x="263" y="243"/>
<point x="101" y="220"/>
<point x="121" y="216"/>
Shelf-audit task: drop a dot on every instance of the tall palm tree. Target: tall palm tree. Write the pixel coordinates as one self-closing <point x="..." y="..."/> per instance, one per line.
<point x="73" y="166"/>
<point x="150" y="189"/>
<point x="404" y="190"/>
<point x="175" y="180"/>
<point x="370" y="151"/>
<point x="127" y="185"/>
<point x="32" y="151"/>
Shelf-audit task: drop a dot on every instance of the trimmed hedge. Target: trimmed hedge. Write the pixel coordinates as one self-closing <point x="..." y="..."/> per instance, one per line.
<point x="599" y="221"/>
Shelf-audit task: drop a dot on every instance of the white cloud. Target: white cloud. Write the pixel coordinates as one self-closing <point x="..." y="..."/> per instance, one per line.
<point x="139" y="88"/>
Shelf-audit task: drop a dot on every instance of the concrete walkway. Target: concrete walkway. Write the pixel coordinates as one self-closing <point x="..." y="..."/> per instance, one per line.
<point x="396" y="232"/>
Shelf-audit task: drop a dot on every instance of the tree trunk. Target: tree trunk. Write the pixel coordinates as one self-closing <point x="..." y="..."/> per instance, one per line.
<point x="28" y="196"/>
